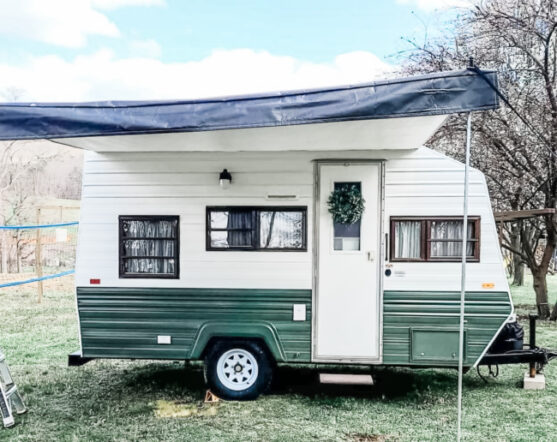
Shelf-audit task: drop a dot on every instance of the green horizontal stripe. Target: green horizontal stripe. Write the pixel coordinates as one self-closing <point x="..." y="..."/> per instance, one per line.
<point x="125" y="322"/>
<point x="403" y="311"/>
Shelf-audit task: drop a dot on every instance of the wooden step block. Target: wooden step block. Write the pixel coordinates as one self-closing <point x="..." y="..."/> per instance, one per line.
<point x="345" y="379"/>
<point x="211" y="397"/>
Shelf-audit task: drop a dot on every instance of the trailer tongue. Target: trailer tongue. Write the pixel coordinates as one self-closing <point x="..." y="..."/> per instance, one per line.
<point x="531" y="354"/>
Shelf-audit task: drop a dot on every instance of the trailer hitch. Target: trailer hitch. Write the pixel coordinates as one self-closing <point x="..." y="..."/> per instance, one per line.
<point x="533" y="355"/>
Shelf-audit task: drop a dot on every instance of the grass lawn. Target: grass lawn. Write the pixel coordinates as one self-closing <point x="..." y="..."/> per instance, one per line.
<point x="121" y="400"/>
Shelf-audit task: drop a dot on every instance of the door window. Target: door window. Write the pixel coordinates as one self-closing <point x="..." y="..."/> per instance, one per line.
<point x="347" y="236"/>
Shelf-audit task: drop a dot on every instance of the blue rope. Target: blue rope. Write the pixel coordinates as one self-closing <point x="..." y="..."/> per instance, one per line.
<point x="39" y="226"/>
<point x="42" y="278"/>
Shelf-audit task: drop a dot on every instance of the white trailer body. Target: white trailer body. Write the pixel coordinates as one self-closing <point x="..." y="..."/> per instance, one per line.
<point x="205" y="230"/>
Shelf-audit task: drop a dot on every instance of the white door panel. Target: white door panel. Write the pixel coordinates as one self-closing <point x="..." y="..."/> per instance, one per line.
<point x="347" y="292"/>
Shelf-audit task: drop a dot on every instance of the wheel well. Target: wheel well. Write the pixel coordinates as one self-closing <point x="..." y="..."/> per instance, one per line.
<point x="216" y="339"/>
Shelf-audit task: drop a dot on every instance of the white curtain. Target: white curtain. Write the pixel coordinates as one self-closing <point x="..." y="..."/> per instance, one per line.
<point x="452" y="231"/>
<point x="281" y="230"/>
<point x="408" y="239"/>
<point x="149" y="247"/>
<point x="149" y="229"/>
<point x="149" y="265"/>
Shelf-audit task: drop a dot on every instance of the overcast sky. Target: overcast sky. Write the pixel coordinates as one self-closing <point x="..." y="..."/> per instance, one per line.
<point x="78" y="50"/>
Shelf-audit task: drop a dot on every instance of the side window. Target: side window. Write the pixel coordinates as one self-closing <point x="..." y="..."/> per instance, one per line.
<point x="256" y="228"/>
<point x="149" y="246"/>
<point x="433" y="239"/>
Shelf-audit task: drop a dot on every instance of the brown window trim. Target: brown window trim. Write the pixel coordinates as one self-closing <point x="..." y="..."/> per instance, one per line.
<point x="255" y="230"/>
<point x="122" y="257"/>
<point x="425" y="240"/>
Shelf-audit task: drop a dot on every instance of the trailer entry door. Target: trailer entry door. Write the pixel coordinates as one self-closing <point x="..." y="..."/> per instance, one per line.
<point x="347" y="289"/>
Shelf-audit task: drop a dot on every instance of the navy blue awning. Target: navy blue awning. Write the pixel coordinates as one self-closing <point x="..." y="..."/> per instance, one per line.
<point x="432" y="94"/>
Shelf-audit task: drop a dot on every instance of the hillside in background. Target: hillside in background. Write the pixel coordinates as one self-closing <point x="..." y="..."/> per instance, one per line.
<point x="37" y="174"/>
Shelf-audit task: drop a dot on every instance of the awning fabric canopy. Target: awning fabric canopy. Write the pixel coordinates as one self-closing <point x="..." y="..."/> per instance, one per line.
<point x="433" y="94"/>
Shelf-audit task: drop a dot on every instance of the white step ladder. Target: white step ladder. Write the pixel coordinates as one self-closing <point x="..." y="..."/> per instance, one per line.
<point x="10" y="398"/>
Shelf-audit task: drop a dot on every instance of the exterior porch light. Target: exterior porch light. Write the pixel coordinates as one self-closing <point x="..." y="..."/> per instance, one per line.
<point x="225" y="179"/>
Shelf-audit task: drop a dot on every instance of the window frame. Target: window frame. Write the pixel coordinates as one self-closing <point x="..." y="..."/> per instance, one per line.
<point x="255" y="229"/>
<point x="121" y="249"/>
<point x="426" y="240"/>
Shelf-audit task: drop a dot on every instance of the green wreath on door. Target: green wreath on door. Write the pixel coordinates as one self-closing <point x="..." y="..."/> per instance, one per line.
<point x="346" y="204"/>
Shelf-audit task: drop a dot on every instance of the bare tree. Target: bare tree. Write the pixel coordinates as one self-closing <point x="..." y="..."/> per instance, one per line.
<point x="19" y="170"/>
<point x="8" y="176"/>
<point x="518" y="39"/>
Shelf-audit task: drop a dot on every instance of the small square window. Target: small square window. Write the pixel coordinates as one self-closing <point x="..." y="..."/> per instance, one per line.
<point x="149" y="246"/>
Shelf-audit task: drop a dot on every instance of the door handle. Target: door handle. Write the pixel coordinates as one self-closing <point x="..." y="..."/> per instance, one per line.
<point x="370" y="255"/>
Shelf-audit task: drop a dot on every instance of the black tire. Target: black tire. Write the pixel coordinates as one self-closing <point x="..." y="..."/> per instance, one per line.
<point x="262" y="379"/>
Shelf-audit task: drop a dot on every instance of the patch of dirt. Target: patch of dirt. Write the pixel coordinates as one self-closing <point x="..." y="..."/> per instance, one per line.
<point x="178" y="409"/>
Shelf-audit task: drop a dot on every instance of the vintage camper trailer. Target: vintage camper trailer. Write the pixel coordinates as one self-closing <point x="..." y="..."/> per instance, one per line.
<point x="213" y="229"/>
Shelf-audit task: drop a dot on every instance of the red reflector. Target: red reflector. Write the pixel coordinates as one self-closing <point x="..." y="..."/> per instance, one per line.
<point x="94" y="281"/>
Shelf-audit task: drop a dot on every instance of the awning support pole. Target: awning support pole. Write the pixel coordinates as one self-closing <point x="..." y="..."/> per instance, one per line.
<point x="463" y="276"/>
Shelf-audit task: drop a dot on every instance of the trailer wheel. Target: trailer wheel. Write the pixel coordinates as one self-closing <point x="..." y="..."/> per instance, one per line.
<point x="238" y="370"/>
